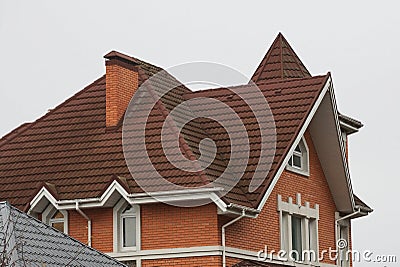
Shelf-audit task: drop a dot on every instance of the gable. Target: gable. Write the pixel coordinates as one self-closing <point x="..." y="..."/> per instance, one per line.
<point x="313" y="189"/>
<point x="331" y="151"/>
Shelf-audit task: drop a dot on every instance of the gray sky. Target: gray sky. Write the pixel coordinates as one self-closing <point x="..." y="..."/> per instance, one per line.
<point x="50" y="51"/>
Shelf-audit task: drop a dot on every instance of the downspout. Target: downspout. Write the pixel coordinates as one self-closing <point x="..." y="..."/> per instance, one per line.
<point x="89" y="222"/>
<point x="223" y="236"/>
<point x="337" y="227"/>
<point x="346" y="217"/>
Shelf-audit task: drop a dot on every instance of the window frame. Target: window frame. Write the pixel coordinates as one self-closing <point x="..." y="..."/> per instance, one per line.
<point x="343" y="232"/>
<point x="49" y="212"/>
<point x="124" y="215"/>
<point x="118" y="235"/>
<point x="309" y="228"/>
<point x="304" y="157"/>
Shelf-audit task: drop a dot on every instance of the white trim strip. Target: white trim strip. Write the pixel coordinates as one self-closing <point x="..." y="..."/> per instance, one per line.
<point x="133" y="199"/>
<point x="298" y="138"/>
<point x="199" y="252"/>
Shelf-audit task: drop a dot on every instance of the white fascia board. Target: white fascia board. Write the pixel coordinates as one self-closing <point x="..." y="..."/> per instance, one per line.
<point x="95" y="202"/>
<point x="84" y="203"/>
<point x="169" y="198"/>
<point x="176" y="192"/>
<point x="342" y="146"/>
<point x="142" y="198"/>
<point x="199" y="252"/>
<point x="168" y="253"/>
<point x="43" y="193"/>
<point x="219" y="202"/>
<point x="314" y="109"/>
<point x="347" y="126"/>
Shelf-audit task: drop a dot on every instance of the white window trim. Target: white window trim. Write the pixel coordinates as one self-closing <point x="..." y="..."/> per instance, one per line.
<point x="49" y="212"/>
<point x="305" y="159"/>
<point x="117" y="233"/>
<point x="340" y="225"/>
<point x="307" y="214"/>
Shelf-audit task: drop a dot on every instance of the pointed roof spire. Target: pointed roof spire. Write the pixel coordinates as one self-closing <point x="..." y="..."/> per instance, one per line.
<point x="280" y="62"/>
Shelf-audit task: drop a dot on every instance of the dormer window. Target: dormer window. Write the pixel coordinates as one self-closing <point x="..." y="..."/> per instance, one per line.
<point x="298" y="162"/>
<point x="126" y="225"/>
<point x="57" y="219"/>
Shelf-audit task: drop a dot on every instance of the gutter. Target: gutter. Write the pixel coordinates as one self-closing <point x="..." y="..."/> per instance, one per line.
<point x="175" y="192"/>
<point x="364" y="209"/>
<point x="347" y="216"/>
<point x="223" y="236"/>
<point x="238" y="209"/>
<point x="89" y="222"/>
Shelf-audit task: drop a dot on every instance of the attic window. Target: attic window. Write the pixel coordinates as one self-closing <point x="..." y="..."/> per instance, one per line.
<point x="57" y="219"/>
<point x="298" y="162"/>
<point x="126" y="225"/>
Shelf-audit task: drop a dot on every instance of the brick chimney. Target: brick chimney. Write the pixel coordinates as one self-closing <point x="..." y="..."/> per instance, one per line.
<point x="121" y="84"/>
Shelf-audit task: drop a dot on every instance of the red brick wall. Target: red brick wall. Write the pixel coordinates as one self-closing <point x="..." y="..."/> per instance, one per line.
<point x="121" y="84"/>
<point x="210" y="261"/>
<point x="254" y="234"/>
<point x="165" y="226"/>
<point x="102" y="227"/>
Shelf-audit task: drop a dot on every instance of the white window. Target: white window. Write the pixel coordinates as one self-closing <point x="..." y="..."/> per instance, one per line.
<point x="299" y="230"/>
<point x="299" y="160"/>
<point x="56" y="218"/>
<point x="297" y="238"/>
<point x="126" y="227"/>
<point x="342" y="242"/>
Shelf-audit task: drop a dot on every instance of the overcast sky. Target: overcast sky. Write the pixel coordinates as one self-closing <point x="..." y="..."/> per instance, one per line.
<point x="50" y="51"/>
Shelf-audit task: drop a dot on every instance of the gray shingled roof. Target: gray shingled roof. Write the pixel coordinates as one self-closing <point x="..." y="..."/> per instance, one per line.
<point x="25" y="241"/>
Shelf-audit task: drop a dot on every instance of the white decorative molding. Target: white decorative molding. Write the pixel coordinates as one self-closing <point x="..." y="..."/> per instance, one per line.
<point x="201" y="252"/>
<point x="278" y="174"/>
<point x="297" y="208"/>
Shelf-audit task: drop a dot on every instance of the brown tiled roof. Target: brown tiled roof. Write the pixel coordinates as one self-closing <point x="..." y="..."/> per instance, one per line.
<point x="71" y="150"/>
<point x="290" y="102"/>
<point x="68" y="147"/>
<point x="351" y="121"/>
<point x="280" y="62"/>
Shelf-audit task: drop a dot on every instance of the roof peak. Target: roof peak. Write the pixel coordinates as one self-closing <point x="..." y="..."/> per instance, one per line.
<point x="280" y="62"/>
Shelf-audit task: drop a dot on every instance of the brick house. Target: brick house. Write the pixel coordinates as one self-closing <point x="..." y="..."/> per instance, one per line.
<point x="68" y="169"/>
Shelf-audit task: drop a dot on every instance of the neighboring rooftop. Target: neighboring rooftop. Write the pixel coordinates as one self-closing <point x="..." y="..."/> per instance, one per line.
<point x="25" y="241"/>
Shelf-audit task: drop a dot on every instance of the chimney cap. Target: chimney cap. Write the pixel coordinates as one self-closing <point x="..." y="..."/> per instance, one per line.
<point x="120" y="56"/>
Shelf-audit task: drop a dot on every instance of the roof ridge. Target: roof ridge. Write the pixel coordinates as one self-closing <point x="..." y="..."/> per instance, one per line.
<point x="295" y="56"/>
<point x="275" y="66"/>
<point x="181" y="139"/>
<point x="267" y="82"/>
<point x="265" y="58"/>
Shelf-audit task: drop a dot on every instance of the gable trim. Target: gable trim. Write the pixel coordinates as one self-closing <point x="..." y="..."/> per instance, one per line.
<point x="342" y="147"/>
<point x="303" y="129"/>
<point x="36" y="205"/>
